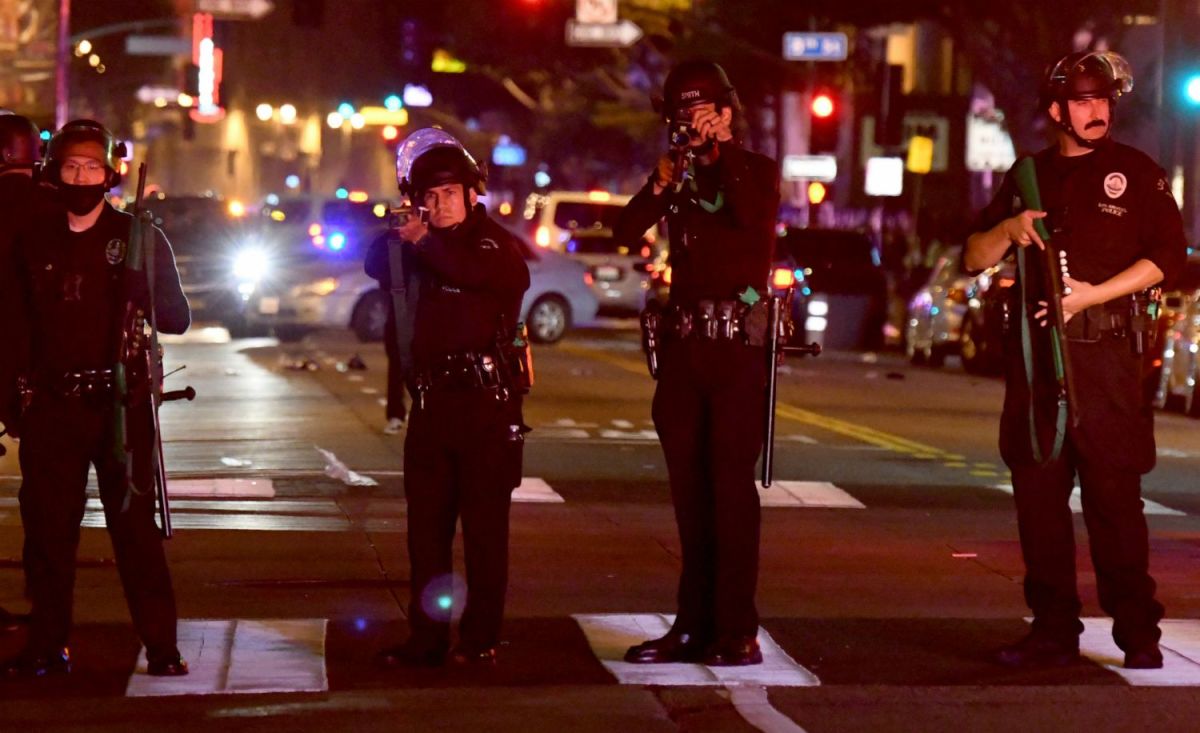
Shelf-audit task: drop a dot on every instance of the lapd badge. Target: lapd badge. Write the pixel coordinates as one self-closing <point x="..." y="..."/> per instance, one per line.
<point x="114" y="251"/>
<point x="1115" y="184"/>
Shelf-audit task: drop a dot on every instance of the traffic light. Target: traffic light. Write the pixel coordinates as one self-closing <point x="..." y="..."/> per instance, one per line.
<point x="825" y="123"/>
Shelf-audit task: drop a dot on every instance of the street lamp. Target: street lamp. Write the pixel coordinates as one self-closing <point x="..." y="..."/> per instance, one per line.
<point x="287" y="114"/>
<point x="264" y="111"/>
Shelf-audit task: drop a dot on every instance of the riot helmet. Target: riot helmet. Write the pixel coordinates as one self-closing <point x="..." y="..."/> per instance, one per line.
<point x="1085" y="75"/>
<point x="85" y="131"/>
<point x="695" y="82"/>
<point x="20" y="142"/>
<point x="432" y="157"/>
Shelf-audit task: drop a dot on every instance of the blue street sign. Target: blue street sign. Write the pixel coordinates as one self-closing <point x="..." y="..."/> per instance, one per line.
<point x="815" y="46"/>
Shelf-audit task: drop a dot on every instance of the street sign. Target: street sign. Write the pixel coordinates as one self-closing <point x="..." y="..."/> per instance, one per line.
<point x="235" y="9"/>
<point x="809" y="167"/>
<point x="622" y="34"/>
<point x="158" y="46"/>
<point x="596" y="11"/>
<point x="815" y="46"/>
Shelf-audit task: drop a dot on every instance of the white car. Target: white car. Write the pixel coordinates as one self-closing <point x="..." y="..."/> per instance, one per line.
<point x="559" y="296"/>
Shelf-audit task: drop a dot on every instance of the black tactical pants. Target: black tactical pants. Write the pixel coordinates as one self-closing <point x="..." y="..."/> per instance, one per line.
<point x="61" y="438"/>
<point x="1108" y="452"/>
<point x="459" y="461"/>
<point x="708" y="411"/>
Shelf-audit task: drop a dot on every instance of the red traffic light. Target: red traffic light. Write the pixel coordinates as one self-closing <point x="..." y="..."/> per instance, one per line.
<point x="823" y="106"/>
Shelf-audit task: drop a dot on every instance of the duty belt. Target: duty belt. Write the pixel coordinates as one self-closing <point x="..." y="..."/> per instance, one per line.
<point x="461" y="370"/>
<point x="716" y="320"/>
<point x="78" y="383"/>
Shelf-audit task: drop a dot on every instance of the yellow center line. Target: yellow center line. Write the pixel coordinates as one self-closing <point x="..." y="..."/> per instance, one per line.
<point x="865" y="434"/>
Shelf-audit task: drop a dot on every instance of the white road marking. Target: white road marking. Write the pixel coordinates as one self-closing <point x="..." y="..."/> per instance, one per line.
<point x="369" y="390"/>
<point x="242" y="656"/>
<point x="755" y="707"/>
<point x="560" y="434"/>
<point x="798" y="438"/>
<point x="807" y="494"/>
<point x="646" y="435"/>
<point x="1180" y="646"/>
<point x="355" y="377"/>
<point x="261" y="488"/>
<point x="567" y="422"/>
<point x="622" y="424"/>
<point x="207" y="335"/>
<point x="610" y="634"/>
<point x="536" y="491"/>
<point x="1151" y="507"/>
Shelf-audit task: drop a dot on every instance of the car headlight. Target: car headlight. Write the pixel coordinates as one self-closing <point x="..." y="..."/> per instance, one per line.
<point x="251" y="264"/>
<point x="319" y="288"/>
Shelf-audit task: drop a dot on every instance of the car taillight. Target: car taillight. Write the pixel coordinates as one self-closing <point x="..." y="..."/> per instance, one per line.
<point x="783" y="278"/>
<point x="588" y="279"/>
<point x="542" y="237"/>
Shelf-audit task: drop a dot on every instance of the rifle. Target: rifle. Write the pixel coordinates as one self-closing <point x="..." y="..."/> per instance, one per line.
<point x="137" y="373"/>
<point x="778" y="331"/>
<point x="1025" y="173"/>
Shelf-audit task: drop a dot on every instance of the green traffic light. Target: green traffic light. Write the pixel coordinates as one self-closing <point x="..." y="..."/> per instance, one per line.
<point x="1191" y="89"/>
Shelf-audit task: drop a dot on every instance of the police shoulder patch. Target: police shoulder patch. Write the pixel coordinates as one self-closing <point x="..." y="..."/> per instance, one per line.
<point x="1115" y="184"/>
<point x="114" y="251"/>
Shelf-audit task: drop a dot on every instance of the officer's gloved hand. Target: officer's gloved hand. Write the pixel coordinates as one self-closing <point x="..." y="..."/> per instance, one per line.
<point x="664" y="172"/>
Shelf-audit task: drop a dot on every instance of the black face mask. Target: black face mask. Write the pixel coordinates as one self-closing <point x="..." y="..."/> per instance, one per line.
<point x="80" y="200"/>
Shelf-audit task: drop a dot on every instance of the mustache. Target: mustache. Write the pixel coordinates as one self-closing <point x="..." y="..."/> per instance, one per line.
<point x="1095" y="123"/>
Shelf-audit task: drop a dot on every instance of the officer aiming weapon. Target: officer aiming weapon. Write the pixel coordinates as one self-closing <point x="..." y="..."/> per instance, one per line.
<point x="1051" y="263"/>
<point x="779" y="329"/>
<point x="137" y="374"/>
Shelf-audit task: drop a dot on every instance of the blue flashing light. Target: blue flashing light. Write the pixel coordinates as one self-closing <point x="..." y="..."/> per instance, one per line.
<point x="934" y="310"/>
<point x="541" y="179"/>
<point x="342" y="193"/>
<point x="272" y="199"/>
<point x="807" y="290"/>
<point x="292" y="181"/>
<point x="393" y="102"/>
<point x="508" y="153"/>
<point x="337" y="241"/>
<point x="799" y="274"/>
<point x="1191" y="89"/>
<point x="345" y="109"/>
<point x="444" y="602"/>
<point x="45" y="134"/>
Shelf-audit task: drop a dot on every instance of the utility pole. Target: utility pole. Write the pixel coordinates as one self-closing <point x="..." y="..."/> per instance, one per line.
<point x="62" y="65"/>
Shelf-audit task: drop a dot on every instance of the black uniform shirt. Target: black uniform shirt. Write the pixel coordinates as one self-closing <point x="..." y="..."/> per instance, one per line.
<point x="714" y="254"/>
<point x="1106" y="209"/>
<point x="472" y="278"/>
<point x="73" y="290"/>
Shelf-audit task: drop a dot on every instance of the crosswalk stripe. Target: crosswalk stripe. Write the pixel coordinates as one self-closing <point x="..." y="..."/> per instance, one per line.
<point x="242" y="656"/>
<point x="261" y="488"/>
<point x="610" y="634"/>
<point x="1180" y="645"/>
<point x="536" y="491"/>
<point x="807" y="494"/>
<point x="1151" y="507"/>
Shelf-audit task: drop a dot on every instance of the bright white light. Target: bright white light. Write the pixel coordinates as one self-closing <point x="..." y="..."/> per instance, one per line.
<point x="541" y="179"/>
<point x="335" y="120"/>
<point x="94" y="60"/>
<point x="292" y="181"/>
<point x="246" y="289"/>
<point x="185" y="100"/>
<point x="264" y="111"/>
<point x="357" y="121"/>
<point x="815" y="324"/>
<point x="287" y="114"/>
<point x="885" y="176"/>
<point x="818" y="308"/>
<point x="251" y="265"/>
<point x="417" y="96"/>
<point x="84" y="48"/>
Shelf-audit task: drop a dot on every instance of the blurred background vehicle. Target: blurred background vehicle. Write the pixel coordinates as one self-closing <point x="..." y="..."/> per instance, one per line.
<point x="936" y="312"/>
<point x="981" y="335"/>
<point x="553" y="217"/>
<point x="1178" y="370"/>
<point x="844" y="303"/>
<point x="620" y="270"/>
<point x="303" y="246"/>
<point x="559" y="296"/>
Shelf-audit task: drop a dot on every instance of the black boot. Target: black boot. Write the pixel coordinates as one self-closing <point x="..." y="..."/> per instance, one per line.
<point x="412" y="654"/>
<point x="675" y="647"/>
<point x="30" y="664"/>
<point x="1037" y="650"/>
<point x="733" y="651"/>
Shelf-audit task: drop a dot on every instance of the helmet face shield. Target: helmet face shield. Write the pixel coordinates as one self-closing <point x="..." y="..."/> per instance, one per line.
<point x="449" y="162"/>
<point x="692" y="83"/>
<point x="1088" y="75"/>
<point x="83" y="131"/>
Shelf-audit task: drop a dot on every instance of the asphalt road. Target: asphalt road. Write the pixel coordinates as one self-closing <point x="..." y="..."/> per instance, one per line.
<point x="890" y="567"/>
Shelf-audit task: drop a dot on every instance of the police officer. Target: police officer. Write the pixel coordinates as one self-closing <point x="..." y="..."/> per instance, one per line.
<point x="1109" y="208"/>
<point x="377" y="265"/>
<point x="72" y="268"/>
<point x="721" y="202"/>
<point x="462" y="452"/>
<point x="20" y="152"/>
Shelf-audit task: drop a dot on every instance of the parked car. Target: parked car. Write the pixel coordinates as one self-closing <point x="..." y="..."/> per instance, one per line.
<point x="844" y="288"/>
<point x="936" y="312"/>
<point x="559" y="296"/>
<point x="981" y="338"/>
<point x="1179" y="362"/>
<point x="620" y="270"/>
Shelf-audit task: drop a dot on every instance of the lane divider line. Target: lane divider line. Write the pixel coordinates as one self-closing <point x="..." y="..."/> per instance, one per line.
<point x="753" y="704"/>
